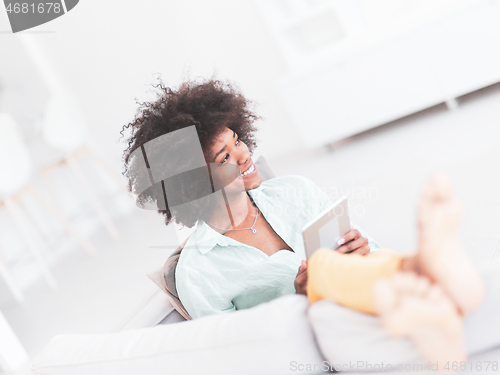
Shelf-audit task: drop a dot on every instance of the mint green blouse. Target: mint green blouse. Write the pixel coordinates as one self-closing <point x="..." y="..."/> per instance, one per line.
<point x="216" y="273"/>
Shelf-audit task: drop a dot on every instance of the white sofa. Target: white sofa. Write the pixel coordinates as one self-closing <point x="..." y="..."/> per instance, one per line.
<point x="279" y="337"/>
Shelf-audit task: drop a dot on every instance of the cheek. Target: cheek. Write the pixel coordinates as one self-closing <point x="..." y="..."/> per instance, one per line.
<point x="223" y="175"/>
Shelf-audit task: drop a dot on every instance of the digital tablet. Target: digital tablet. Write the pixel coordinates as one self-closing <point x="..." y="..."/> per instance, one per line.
<point x="327" y="228"/>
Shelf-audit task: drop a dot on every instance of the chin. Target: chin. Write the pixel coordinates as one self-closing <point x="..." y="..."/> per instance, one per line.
<point x="253" y="181"/>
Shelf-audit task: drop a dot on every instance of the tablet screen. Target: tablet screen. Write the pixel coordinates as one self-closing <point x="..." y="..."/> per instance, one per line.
<point x="329" y="234"/>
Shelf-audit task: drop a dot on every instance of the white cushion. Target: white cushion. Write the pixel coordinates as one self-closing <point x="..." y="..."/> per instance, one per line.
<point x="349" y="340"/>
<point x="272" y="338"/>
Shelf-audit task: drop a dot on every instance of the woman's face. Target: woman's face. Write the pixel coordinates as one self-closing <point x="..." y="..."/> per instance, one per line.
<point x="228" y="148"/>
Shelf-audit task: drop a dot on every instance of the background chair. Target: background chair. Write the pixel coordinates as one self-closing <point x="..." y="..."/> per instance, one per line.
<point x="15" y="185"/>
<point x="64" y="130"/>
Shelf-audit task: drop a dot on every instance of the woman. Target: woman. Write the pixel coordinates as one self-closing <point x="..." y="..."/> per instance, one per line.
<point x="247" y="246"/>
<point x="260" y="258"/>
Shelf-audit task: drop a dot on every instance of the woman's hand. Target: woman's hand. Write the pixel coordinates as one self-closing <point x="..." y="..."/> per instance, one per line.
<point x="300" y="282"/>
<point x="353" y="243"/>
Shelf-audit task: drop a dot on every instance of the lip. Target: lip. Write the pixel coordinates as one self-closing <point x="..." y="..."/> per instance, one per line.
<point x="250" y="174"/>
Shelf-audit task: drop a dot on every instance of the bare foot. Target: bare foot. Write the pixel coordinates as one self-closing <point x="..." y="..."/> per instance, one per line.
<point x="409" y="306"/>
<point x="441" y="256"/>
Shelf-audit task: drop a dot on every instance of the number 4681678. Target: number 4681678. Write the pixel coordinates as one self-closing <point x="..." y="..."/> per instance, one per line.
<point x="33" y="8"/>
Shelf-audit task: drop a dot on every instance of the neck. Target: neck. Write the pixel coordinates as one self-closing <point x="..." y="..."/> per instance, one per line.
<point x="234" y="212"/>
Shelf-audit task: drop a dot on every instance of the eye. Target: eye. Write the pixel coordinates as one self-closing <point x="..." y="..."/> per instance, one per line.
<point x="226" y="157"/>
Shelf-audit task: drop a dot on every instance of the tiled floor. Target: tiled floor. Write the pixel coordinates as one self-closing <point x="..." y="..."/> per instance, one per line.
<point x="382" y="173"/>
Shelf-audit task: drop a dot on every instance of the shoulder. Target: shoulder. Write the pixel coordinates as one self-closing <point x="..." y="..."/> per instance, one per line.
<point x="293" y="196"/>
<point x="201" y="257"/>
<point x="293" y="187"/>
<point x="197" y="273"/>
<point x="191" y="260"/>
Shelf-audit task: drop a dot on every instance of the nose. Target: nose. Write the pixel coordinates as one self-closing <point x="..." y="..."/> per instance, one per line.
<point x="243" y="157"/>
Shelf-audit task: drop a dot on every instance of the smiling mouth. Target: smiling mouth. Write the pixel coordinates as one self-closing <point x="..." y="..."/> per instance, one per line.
<point x="249" y="171"/>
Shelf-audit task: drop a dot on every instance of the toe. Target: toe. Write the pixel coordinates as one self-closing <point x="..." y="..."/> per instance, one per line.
<point x="439" y="188"/>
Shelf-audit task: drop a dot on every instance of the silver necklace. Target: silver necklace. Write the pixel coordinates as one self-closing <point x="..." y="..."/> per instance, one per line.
<point x="251" y="228"/>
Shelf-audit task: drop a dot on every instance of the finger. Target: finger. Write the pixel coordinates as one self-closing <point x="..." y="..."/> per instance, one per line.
<point x="353" y="245"/>
<point x="362" y="250"/>
<point x="356" y="244"/>
<point x="300" y="281"/>
<point x="353" y="234"/>
<point x="302" y="268"/>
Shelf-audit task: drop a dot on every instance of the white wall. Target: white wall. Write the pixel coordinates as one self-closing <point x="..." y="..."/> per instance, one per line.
<point x="107" y="51"/>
